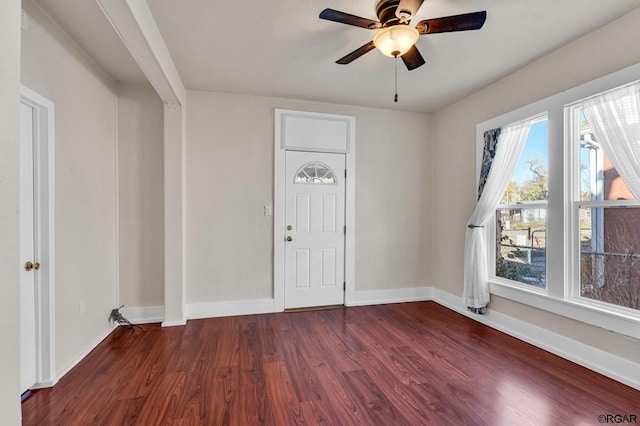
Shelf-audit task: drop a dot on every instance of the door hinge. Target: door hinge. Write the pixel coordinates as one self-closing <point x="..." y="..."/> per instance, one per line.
<point x="345" y="230"/>
<point x="344" y="286"/>
<point x="345" y="173"/>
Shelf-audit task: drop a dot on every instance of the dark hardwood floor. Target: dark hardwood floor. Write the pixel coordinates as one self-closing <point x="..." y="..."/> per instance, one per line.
<point x="402" y="364"/>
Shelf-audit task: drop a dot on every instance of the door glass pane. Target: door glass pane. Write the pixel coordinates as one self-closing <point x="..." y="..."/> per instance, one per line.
<point x="315" y="173"/>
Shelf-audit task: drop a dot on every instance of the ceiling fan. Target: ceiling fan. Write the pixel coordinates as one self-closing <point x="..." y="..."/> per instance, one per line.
<point x="395" y="36"/>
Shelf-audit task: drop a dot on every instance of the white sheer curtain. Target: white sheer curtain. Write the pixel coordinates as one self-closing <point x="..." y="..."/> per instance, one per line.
<point x="476" y="273"/>
<point x="614" y="119"/>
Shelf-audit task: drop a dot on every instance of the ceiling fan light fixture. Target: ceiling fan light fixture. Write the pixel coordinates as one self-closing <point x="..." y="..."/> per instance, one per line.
<point x="396" y="40"/>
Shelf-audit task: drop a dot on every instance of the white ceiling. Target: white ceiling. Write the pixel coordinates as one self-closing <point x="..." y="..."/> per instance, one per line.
<point x="280" y="47"/>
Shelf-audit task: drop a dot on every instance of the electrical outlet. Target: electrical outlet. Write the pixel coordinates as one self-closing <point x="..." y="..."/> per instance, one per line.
<point x="267" y="210"/>
<point x="81" y="306"/>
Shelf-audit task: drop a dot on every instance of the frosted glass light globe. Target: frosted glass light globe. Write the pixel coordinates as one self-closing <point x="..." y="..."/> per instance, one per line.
<point x="396" y="40"/>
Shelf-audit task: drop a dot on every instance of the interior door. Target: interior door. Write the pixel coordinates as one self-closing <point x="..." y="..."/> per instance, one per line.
<point x="28" y="266"/>
<point x="314" y="215"/>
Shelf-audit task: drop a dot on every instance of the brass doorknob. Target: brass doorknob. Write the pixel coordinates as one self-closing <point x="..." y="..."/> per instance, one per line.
<point x="29" y="266"/>
<point x="289" y="238"/>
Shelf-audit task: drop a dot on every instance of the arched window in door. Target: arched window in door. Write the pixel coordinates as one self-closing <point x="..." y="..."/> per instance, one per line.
<point x="316" y="173"/>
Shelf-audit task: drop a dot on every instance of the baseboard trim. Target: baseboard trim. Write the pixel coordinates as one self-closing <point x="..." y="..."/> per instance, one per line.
<point x="143" y="314"/>
<point x="77" y="360"/>
<point x="380" y="297"/>
<point x="230" y="308"/>
<point x="46" y="383"/>
<point x="614" y="367"/>
<point x="176" y="323"/>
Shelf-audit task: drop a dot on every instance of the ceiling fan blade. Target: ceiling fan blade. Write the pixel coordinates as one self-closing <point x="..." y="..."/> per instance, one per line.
<point x="413" y="59"/>
<point x="407" y="9"/>
<point x="347" y="18"/>
<point x="356" y="54"/>
<point x="465" y="22"/>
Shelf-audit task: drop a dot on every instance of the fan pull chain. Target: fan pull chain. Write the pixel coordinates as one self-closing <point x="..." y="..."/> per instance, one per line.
<point x="395" y="98"/>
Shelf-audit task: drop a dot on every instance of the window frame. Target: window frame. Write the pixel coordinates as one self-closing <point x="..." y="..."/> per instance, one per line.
<point x="572" y="117"/>
<point x="562" y="246"/>
<point x="492" y="229"/>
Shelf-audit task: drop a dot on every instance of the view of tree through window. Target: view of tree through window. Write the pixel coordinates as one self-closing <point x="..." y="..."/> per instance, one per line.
<point x="609" y="237"/>
<point x="521" y="215"/>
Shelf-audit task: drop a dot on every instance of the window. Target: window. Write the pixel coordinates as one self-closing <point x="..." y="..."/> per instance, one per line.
<point x="316" y="173"/>
<point x="573" y="248"/>
<point x="522" y="213"/>
<point x="608" y="223"/>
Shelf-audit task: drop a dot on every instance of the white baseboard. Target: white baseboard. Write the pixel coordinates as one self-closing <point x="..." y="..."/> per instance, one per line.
<point x="174" y="323"/>
<point x="230" y="308"/>
<point x="616" y="368"/>
<point x="77" y="360"/>
<point x="46" y="384"/>
<point x="379" y="297"/>
<point x="143" y="314"/>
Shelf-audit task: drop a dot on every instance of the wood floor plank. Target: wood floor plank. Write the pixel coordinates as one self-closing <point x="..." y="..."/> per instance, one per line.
<point x="300" y="363"/>
<point x="413" y="363"/>
<point x="287" y="410"/>
<point x="317" y="413"/>
<point x="372" y="399"/>
<point x="338" y="398"/>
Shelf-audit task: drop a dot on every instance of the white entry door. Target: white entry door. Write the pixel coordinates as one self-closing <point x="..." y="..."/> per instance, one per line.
<point x="28" y="265"/>
<point x="314" y="216"/>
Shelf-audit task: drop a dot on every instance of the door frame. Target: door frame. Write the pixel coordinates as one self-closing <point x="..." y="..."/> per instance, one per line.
<point x="44" y="215"/>
<point x="281" y="145"/>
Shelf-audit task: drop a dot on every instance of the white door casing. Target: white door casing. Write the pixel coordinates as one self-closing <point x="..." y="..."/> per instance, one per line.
<point x="321" y="133"/>
<point x="37" y="239"/>
<point x="314" y="247"/>
<point x="27" y="253"/>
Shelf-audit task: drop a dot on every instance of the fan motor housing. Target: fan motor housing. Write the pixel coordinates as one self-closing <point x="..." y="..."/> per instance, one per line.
<point x="386" y="11"/>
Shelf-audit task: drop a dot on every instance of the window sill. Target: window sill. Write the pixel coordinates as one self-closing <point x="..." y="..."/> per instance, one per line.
<point x="619" y="322"/>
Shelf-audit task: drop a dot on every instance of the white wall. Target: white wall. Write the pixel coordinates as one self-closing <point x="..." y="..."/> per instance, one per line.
<point x="140" y="197"/>
<point x="393" y="199"/>
<point x="230" y="178"/>
<point x="85" y="174"/>
<point x="603" y="51"/>
<point x="9" y="184"/>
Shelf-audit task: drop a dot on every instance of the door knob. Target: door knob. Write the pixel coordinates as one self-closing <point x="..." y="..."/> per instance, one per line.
<point x="289" y="238"/>
<point x="29" y="266"/>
